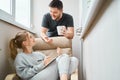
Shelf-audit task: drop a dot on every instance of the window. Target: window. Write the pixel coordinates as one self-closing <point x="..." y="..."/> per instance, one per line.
<point x="5" y="5"/>
<point x="17" y="12"/>
<point x="22" y="12"/>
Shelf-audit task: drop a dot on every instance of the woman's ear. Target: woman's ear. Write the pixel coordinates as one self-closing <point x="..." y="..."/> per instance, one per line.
<point x="24" y="43"/>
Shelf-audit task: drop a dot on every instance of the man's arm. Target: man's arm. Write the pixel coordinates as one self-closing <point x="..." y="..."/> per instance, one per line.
<point x="43" y="31"/>
<point x="44" y="36"/>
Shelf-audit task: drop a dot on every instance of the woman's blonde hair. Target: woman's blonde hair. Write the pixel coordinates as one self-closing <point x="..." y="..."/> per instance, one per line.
<point x="17" y="43"/>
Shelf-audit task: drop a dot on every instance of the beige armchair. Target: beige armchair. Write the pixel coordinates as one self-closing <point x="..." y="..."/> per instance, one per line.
<point x="50" y="49"/>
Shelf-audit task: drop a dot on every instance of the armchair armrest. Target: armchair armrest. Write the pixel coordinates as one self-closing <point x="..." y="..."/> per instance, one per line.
<point x="61" y="42"/>
<point x="12" y="77"/>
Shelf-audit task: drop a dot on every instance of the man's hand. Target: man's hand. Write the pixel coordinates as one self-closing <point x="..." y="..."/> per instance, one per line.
<point x="69" y="33"/>
<point x="44" y="36"/>
<point x="63" y="31"/>
<point x="47" y="39"/>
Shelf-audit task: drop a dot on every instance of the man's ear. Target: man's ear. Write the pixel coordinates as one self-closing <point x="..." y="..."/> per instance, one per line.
<point x="61" y="10"/>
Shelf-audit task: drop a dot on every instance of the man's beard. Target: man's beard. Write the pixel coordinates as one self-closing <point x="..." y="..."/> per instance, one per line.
<point x="58" y="18"/>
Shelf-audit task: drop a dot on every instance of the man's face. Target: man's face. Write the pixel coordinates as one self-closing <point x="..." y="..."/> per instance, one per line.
<point x="55" y="13"/>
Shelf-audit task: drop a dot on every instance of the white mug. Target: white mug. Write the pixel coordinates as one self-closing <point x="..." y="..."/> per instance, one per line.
<point x="60" y="30"/>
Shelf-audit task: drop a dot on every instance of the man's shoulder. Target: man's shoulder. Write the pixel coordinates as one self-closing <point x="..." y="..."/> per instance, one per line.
<point x="47" y="14"/>
<point x="67" y="16"/>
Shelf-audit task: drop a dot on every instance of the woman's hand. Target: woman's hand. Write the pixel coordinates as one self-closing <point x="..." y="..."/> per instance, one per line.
<point x="47" y="60"/>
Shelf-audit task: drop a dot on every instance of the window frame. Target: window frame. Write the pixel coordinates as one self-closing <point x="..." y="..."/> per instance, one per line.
<point x="4" y="16"/>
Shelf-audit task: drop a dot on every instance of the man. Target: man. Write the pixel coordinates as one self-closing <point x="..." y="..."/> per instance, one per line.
<point x="55" y="18"/>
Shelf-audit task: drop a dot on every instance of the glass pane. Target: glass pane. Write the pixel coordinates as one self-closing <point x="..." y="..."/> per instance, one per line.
<point x="22" y="12"/>
<point x="5" y="5"/>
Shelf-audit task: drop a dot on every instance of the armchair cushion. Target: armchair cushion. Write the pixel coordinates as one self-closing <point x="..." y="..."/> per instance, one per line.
<point x="53" y="52"/>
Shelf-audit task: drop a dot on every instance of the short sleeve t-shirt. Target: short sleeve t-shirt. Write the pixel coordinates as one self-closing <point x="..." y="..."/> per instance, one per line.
<point x="51" y="24"/>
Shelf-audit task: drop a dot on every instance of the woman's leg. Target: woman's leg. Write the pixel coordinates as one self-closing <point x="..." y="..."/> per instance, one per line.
<point x="63" y="66"/>
<point x="66" y="65"/>
<point x="73" y="64"/>
<point x="49" y="73"/>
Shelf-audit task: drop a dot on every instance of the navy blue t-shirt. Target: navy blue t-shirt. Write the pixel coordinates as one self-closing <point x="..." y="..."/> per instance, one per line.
<point x="51" y="24"/>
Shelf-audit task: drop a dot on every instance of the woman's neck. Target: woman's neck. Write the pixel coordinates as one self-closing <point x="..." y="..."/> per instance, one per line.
<point x="27" y="50"/>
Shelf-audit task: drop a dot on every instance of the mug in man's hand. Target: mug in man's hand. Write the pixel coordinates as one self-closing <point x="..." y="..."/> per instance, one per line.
<point x="61" y="30"/>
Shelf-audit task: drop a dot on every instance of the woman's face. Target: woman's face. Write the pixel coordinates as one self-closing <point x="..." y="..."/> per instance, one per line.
<point x="30" y="40"/>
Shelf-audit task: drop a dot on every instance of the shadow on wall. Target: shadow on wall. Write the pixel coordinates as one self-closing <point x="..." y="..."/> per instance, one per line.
<point x="105" y="5"/>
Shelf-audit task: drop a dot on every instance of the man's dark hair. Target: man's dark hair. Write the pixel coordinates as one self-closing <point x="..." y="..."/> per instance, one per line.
<point x="56" y="4"/>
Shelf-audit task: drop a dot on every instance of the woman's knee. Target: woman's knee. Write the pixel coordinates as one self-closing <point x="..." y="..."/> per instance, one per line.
<point x="63" y="57"/>
<point x="74" y="60"/>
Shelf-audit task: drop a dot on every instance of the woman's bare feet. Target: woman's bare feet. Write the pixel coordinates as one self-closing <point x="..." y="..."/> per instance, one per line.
<point x="64" y="77"/>
<point x="59" y="51"/>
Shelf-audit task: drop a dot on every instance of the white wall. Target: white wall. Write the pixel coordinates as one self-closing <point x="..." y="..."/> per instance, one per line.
<point x="101" y="47"/>
<point x="7" y="32"/>
<point x="39" y="8"/>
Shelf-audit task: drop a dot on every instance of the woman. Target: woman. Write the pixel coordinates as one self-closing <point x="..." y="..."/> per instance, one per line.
<point x="31" y="65"/>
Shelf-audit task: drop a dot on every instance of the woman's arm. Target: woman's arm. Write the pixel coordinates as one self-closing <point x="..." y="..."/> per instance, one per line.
<point x="26" y="69"/>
